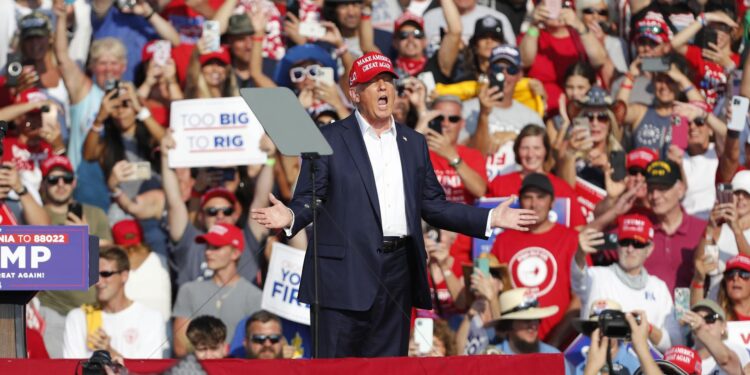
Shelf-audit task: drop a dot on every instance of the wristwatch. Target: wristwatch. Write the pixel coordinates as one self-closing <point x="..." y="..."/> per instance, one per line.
<point x="455" y="162"/>
<point x="23" y="191"/>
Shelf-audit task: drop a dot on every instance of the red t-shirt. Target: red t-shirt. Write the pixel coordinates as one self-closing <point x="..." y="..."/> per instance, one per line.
<point x="449" y="178"/>
<point x="447" y="304"/>
<point x="540" y="262"/>
<point x="25" y="157"/>
<point x="510" y="184"/>
<point x="710" y="76"/>
<point x="554" y="56"/>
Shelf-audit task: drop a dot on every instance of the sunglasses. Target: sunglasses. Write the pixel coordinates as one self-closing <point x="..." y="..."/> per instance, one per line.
<point x="213" y="211"/>
<point x="601" y="12"/>
<point x="259" y="339"/>
<point x="298" y="73"/>
<point x="650" y="30"/>
<point x="511" y="69"/>
<point x="107" y="274"/>
<point x="698" y="121"/>
<point x="711" y="318"/>
<point x="637" y="171"/>
<point x="744" y="275"/>
<point x="635" y="244"/>
<point x="416" y="33"/>
<point x="721" y="27"/>
<point x="646" y="42"/>
<point x="67" y="178"/>
<point x="599" y="116"/>
<point x="454" y="119"/>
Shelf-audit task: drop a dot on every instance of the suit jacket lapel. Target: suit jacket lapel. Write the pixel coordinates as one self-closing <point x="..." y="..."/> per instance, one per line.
<point x="356" y="145"/>
<point x="408" y="170"/>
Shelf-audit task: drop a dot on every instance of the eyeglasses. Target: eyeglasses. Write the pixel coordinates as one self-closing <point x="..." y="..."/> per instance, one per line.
<point x="259" y="339"/>
<point x="711" y="318"/>
<point x="67" y="179"/>
<point x="213" y="211"/>
<point x="599" y="116"/>
<point x="601" y="12"/>
<point x="416" y="33"/>
<point x="454" y="119"/>
<point x="650" y="30"/>
<point x="107" y="274"/>
<point x="730" y="274"/>
<point x="636" y="244"/>
<point x="637" y="171"/>
<point x="298" y="73"/>
<point x="511" y="69"/>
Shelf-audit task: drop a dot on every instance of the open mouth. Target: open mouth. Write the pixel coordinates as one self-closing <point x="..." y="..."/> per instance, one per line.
<point x="382" y="101"/>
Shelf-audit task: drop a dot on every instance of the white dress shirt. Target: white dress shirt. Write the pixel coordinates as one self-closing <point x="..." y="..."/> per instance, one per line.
<point x="385" y="161"/>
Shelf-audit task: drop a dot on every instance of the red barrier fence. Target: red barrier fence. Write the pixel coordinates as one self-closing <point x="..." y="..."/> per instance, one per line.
<point x="548" y="364"/>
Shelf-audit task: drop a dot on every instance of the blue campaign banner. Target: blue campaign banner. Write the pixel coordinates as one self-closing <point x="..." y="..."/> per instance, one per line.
<point x="44" y="257"/>
<point x="560" y="214"/>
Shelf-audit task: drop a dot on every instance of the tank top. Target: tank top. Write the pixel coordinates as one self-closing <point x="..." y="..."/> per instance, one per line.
<point x="653" y="132"/>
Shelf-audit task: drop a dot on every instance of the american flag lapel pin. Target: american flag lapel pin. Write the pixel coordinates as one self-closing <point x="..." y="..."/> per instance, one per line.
<point x="404" y="138"/>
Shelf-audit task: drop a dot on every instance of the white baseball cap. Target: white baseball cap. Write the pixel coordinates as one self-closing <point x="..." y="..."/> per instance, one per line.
<point x="741" y="181"/>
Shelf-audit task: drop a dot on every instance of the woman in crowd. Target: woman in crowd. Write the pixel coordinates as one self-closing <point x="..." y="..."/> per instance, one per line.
<point x="533" y="152"/>
<point x="211" y="75"/>
<point x="587" y="153"/>
<point x="160" y="86"/>
<point x="579" y="79"/>
<point x="708" y="327"/>
<point x="652" y="125"/>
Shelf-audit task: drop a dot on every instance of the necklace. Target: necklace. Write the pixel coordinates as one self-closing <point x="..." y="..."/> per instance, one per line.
<point x="220" y="301"/>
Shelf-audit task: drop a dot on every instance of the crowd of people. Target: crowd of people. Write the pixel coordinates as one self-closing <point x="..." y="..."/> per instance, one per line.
<point x="611" y="120"/>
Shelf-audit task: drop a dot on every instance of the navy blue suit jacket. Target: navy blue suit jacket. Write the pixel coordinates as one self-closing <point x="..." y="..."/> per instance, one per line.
<point x="350" y="232"/>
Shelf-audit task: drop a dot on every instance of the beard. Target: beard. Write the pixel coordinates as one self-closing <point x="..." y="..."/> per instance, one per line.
<point x="524" y="347"/>
<point x="253" y="355"/>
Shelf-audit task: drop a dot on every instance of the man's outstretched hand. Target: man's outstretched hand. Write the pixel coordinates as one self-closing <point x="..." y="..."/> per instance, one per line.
<point x="503" y="216"/>
<point x="277" y="216"/>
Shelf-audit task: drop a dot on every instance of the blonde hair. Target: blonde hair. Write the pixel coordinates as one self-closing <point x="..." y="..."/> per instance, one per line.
<point x="108" y="46"/>
<point x="196" y="86"/>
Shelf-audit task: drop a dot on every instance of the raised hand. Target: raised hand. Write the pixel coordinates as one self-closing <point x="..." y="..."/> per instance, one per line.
<point x="275" y="217"/>
<point x="503" y="216"/>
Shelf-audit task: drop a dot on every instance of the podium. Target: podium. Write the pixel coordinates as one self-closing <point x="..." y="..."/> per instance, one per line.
<point x="34" y="258"/>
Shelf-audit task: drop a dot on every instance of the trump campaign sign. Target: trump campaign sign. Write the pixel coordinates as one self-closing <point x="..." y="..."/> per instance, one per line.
<point x="560" y="214"/>
<point x="739" y="333"/>
<point x="281" y="291"/>
<point x="220" y="132"/>
<point x="44" y="258"/>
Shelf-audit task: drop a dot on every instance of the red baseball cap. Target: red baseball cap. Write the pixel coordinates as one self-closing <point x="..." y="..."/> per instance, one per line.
<point x="57" y="161"/>
<point x="682" y="360"/>
<point x="368" y="66"/>
<point x="640" y="157"/>
<point x="409" y="17"/>
<point x="223" y="234"/>
<point x="218" y="192"/>
<point x="652" y="27"/>
<point x="32" y="95"/>
<point x="635" y="227"/>
<point x="222" y="54"/>
<point x="739" y="262"/>
<point x="127" y="232"/>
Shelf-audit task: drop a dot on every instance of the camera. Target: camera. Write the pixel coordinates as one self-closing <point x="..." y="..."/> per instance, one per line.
<point x="98" y="363"/>
<point x="612" y="324"/>
<point x="126" y="4"/>
<point x="14" y="68"/>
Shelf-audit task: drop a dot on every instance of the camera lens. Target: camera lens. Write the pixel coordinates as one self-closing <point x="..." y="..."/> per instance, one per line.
<point x="15" y="69"/>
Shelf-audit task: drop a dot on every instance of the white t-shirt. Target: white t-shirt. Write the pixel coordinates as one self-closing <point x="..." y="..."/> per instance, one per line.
<point x="701" y="190"/>
<point x="135" y="332"/>
<point x="597" y="283"/>
<point x="434" y="20"/>
<point x="709" y="366"/>
<point x="150" y="285"/>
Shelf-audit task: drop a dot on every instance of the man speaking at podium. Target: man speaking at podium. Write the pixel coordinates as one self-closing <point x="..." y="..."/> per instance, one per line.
<point x="373" y="190"/>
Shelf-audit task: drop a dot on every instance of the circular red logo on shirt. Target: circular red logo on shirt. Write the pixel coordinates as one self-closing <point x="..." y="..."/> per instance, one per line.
<point x="534" y="268"/>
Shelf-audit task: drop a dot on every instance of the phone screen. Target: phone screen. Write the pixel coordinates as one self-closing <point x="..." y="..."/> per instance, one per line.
<point x="617" y="161"/>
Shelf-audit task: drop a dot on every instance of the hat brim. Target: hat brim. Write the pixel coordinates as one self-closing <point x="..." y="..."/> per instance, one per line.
<point x="661" y="181"/>
<point x="375" y="75"/>
<point x="533" y="313"/>
<point x="212" y="240"/>
<point x="35" y="32"/>
<point x="670" y="368"/>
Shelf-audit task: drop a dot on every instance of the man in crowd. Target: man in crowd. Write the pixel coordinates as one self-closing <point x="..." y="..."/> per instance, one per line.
<point x="227" y="295"/>
<point x="264" y="339"/>
<point x="470" y="12"/>
<point x="626" y="282"/>
<point x="676" y="234"/>
<point x="460" y="170"/>
<point x="125" y="328"/>
<point x="520" y="321"/>
<point x="241" y="38"/>
<point x="348" y="15"/>
<point x="539" y="259"/>
<point x="207" y="336"/>
<point x="58" y="184"/>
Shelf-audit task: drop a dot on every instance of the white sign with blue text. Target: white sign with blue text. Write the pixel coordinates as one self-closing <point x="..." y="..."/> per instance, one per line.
<point x="221" y="132"/>
<point x="281" y="291"/>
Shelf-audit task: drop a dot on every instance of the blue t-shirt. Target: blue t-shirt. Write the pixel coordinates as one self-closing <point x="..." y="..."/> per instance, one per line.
<point x="625" y="360"/>
<point x="543" y="349"/>
<point x="133" y="31"/>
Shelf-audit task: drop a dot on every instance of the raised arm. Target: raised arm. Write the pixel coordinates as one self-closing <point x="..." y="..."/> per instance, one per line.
<point x="93" y="145"/>
<point x="451" y="43"/>
<point x="366" y="31"/>
<point x="488" y="98"/>
<point x="177" y="213"/>
<point x="530" y="41"/>
<point x="225" y="12"/>
<point x="263" y="186"/>
<point x="259" y="20"/>
<point x="680" y="41"/>
<point x="165" y="29"/>
<point x="147" y="205"/>
<point x="594" y="48"/>
<point x="76" y="81"/>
